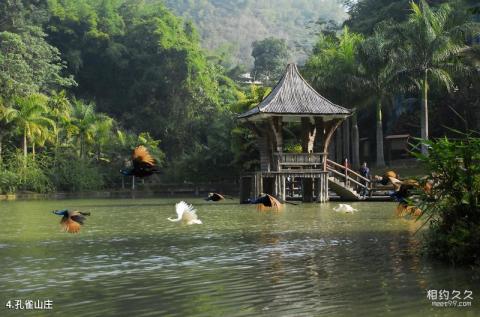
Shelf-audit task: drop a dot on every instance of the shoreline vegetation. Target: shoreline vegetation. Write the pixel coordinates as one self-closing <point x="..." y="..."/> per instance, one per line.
<point x="83" y="82"/>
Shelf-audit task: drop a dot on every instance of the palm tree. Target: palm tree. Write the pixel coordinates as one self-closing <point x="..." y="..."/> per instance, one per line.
<point x="103" y="132"/>
<point x="30" y="117"/>
<point x="84" y="120"/>
<point x="7" y="115"/>
<point x="332" y="69"/>
<point x="60" y="110"/>
<point x="375" y="77"/>
<point x="427" y="41"/>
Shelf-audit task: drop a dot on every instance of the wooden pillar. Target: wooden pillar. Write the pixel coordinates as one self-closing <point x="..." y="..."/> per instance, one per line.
<point x="318" y="189"/>
<point x="338" y="146"/>
<point x="320" y="135"/>
<point x="258" y="184"/>
<point x="355" y="143"/>
<point x="276" y="186"/>
<point x="330" y="127"/>
<point x="276" y="125"/>
<point x="264" y="143"/>
<point x="307" y="189"/>
<point x="323" y="190"/>
<point x="346" y="139"/>
<point x="283" y="181"/>
<point x="245" y="188"/>
<point x="331" y="150"/>
<point x="269" y="185"/>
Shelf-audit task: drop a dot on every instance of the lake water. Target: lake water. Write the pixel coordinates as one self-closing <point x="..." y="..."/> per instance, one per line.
<point x="307" y="260"/>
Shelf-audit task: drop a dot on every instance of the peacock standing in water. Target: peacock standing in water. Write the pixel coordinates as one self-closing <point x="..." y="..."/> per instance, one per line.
<point x="143" y="164"/>
<point x="71" y="220"/>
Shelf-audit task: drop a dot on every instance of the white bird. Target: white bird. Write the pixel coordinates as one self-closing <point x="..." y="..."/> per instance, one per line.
<point x="345" y="208"/>
<point x="186" y="214"/>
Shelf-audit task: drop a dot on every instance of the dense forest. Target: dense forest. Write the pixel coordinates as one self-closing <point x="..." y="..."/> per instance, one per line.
<point x="410" y="67"/>
<point x="84" y="81"/>
<point x="229" y="27"/>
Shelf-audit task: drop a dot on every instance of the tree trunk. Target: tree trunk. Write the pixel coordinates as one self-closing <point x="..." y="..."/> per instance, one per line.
<point x="1" y="148"/>
<point x="33" y="150"/>
<point x="338" y="146"/>
<point x="81" y="147"/>
<point x="380" y="158"/>
<point x="424" y="114"/>
<point x="25" y="143"/>
<point x="355" y="143"/>
<point x="56" y="149"/>
<point x="346" y="139"/>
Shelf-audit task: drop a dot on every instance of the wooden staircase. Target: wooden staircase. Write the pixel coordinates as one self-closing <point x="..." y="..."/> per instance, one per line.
<point x="345" y="182"/>
<point x="295" y="167"/>
<point x="344" y="192"/>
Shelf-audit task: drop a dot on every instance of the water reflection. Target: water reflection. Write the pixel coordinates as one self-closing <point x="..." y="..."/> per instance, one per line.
<point x="305" y="261"/>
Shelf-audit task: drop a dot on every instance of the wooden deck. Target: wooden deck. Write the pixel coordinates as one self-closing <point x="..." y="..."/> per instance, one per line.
<point x="311" y="176"/>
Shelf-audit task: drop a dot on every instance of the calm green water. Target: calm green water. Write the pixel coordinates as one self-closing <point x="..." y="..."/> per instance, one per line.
<point x="308" y="260"/>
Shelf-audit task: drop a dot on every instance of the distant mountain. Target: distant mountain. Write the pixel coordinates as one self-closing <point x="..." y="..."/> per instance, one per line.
<point x="230" y="26"/>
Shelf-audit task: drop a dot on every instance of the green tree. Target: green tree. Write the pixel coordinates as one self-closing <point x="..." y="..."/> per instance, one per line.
<point x="333" y="71"/>
<point x="271" y="57"/>
<point x="28" y="64"/>
<point x="84" y="121"/>
<point x="60" y="112"/>
<point x="163" y="81"/>
<point x="426" y="44"/>
<point x="452" y="206"/>
<point x="376" y="78"/>
<point x="366" y="14"/>
<point x="102" y="133"/>
<point x="243" y="139"/>
<point x="30" y="117"/>
<point x="7" y="116"/>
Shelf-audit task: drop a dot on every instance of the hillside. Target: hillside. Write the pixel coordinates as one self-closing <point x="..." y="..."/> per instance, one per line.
<point x="232" y="25"/>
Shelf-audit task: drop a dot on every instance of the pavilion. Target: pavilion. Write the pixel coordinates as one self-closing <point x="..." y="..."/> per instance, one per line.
<point x="294" y="101"/>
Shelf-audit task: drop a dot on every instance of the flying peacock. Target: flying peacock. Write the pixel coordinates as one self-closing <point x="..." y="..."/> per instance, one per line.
<point x="214" y="197"/>
<point x="266" y="202"/>
<point x="71" y="220"/>
<point x="404" y="193"/>
<point x="143" y="164"/>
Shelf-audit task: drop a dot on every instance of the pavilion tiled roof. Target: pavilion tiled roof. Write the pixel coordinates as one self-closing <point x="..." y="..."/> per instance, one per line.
<point x="294" y="96"/>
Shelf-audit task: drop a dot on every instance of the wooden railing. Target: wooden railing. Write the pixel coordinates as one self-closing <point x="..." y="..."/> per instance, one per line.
<point x="346" y="175"/>
<point x="308" y="162"/>
<point x="299" y="160"/>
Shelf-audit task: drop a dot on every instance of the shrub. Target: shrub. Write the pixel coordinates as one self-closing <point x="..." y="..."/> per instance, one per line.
<point x="8" y="182"/>
<point x="73" y="174"/>
<point x="452" y="207"/>
<point x="29" y="172"/>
